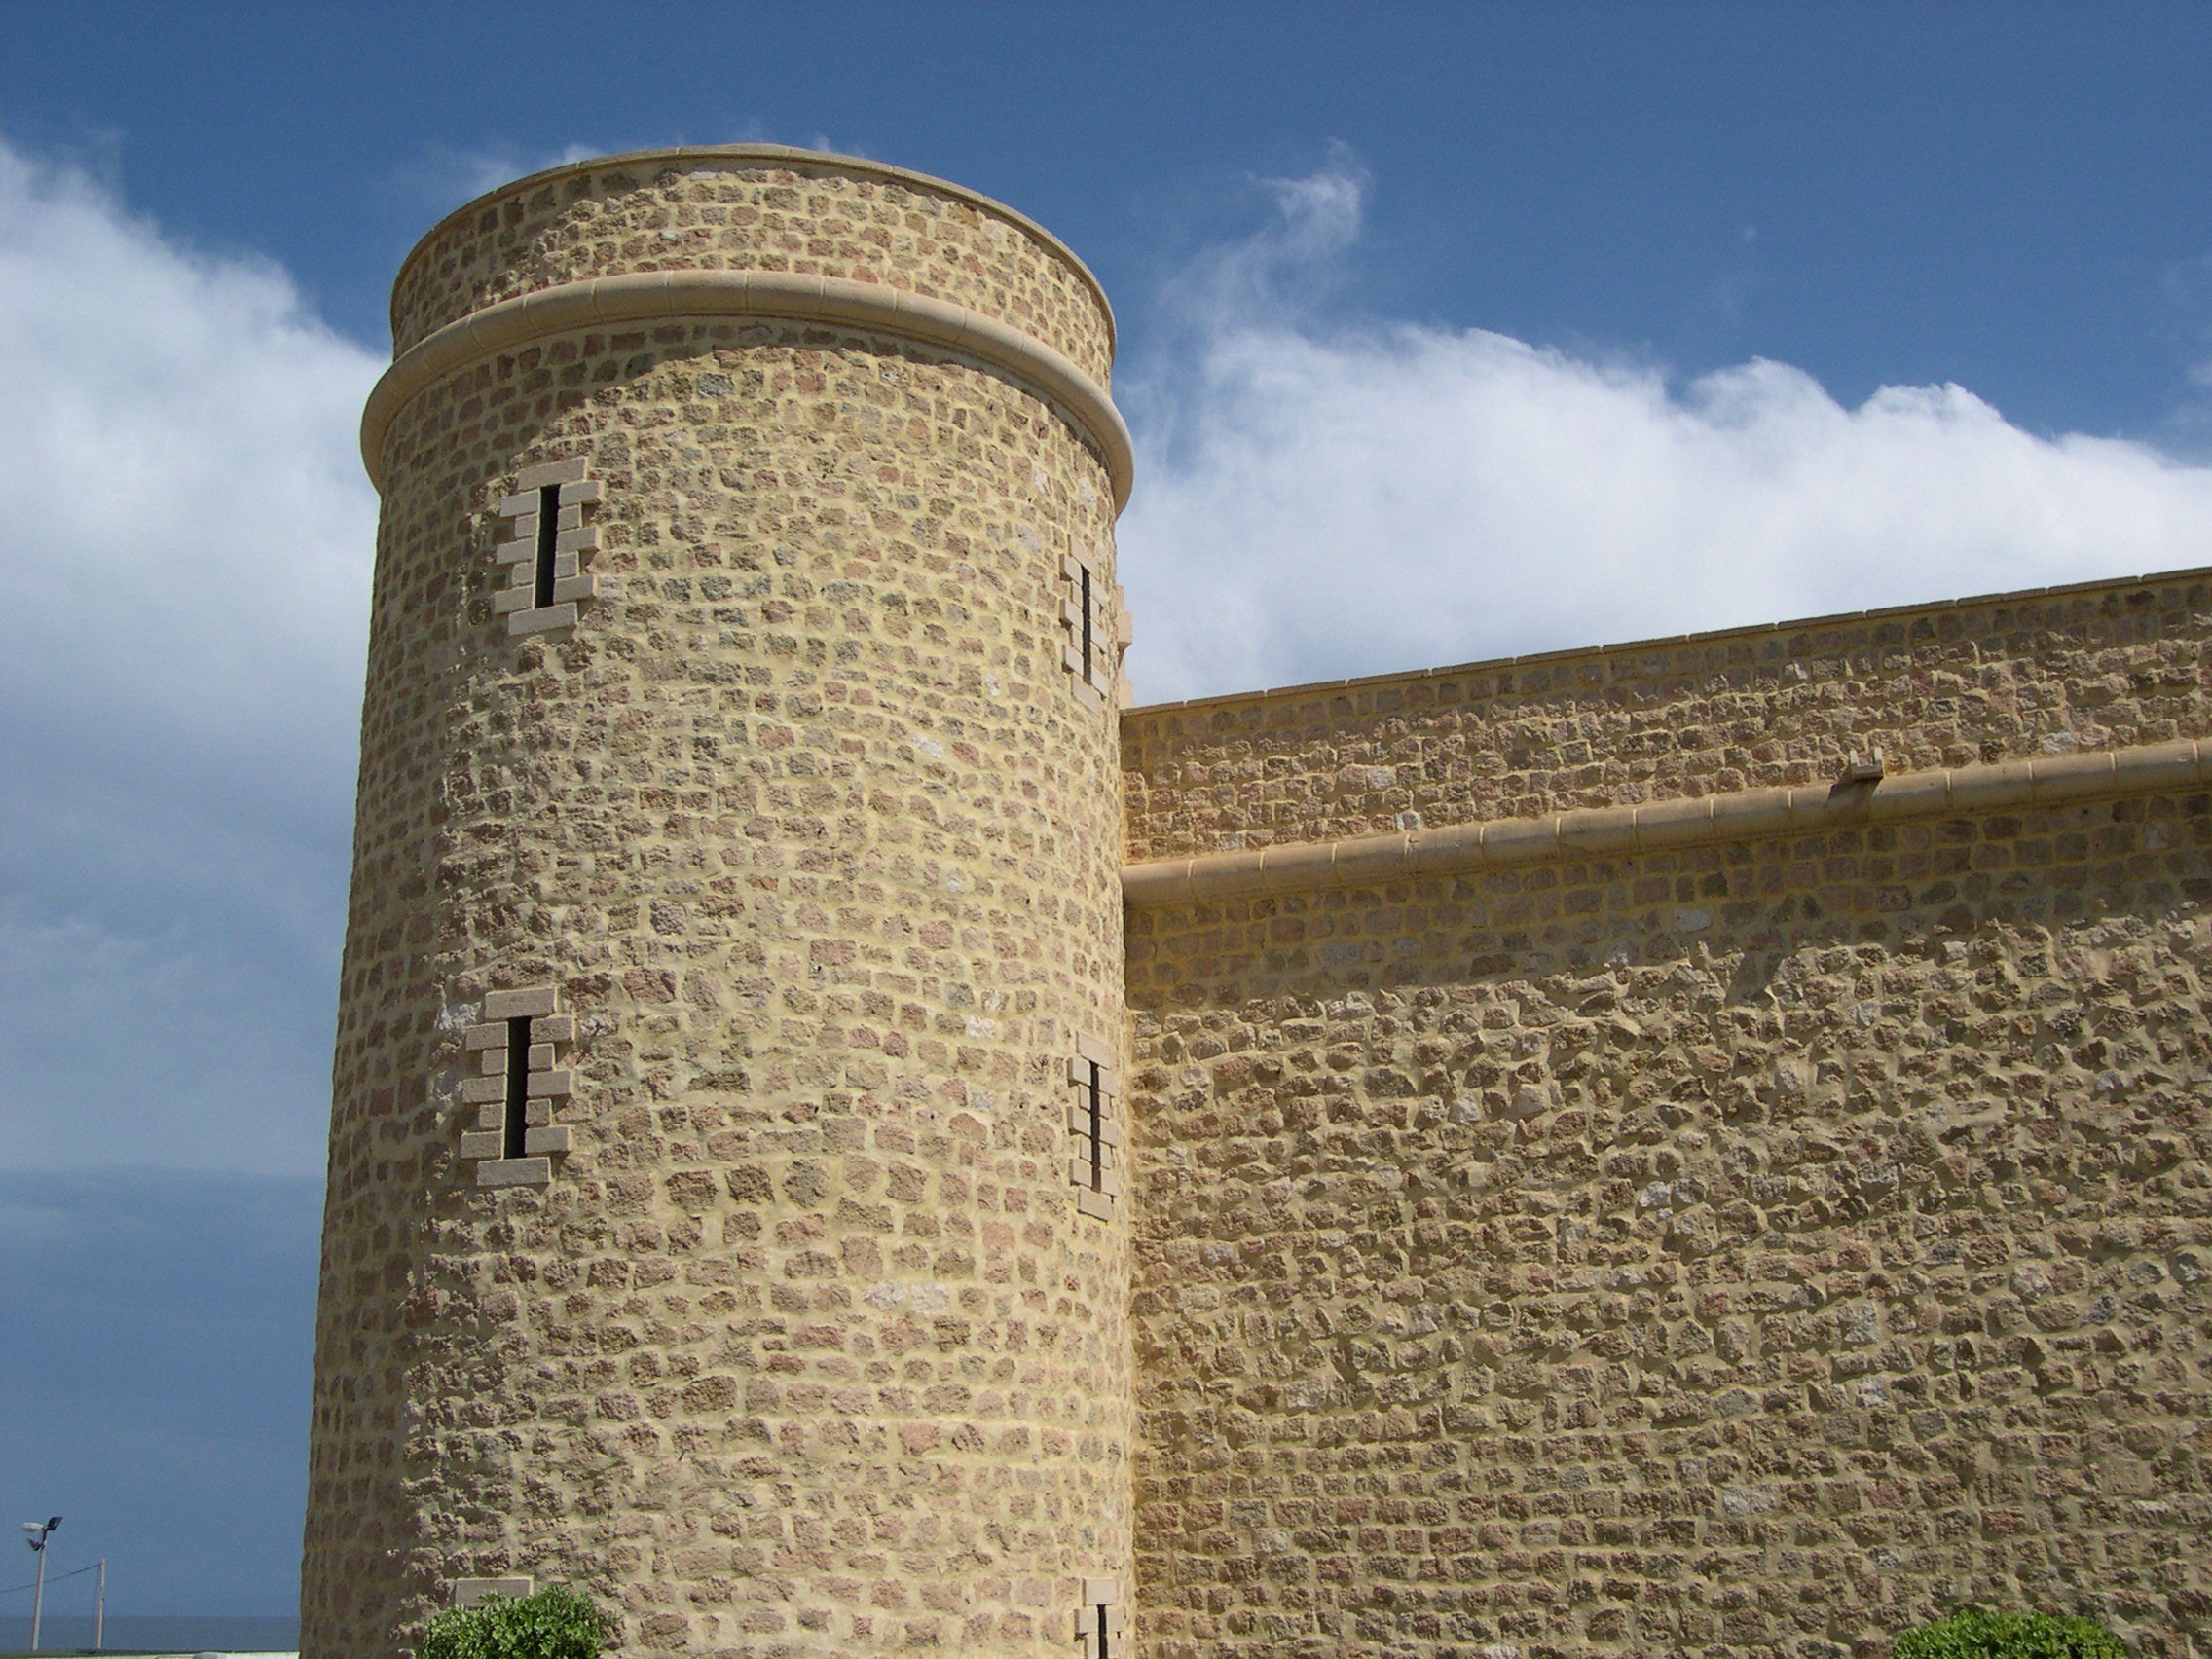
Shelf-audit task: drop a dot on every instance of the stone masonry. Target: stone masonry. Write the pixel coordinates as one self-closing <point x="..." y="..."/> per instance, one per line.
<point x="849" y="1140"/>
<point x="801" y="1341"/>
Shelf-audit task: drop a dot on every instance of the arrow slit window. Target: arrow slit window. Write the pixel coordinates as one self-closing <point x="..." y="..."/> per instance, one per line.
<point x="1098" y="625"/>
<point x="1100" y="1625"/>
<point x="544" y="549"/>
<point x="517" y="1084"/>
<point x="1094" y="1127"/>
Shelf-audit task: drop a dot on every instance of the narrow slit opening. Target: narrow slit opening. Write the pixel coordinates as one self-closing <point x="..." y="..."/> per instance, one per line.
<point x="548" y="533"/>
<point x="1089" y="661"/>
<point x="1097" y="1132"/>
<point x="518" y="1086"/>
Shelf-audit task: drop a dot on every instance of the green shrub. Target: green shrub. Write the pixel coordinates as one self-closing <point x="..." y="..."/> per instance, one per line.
<point x="1972" y="1634"/>
<point x="552" y="1624"/>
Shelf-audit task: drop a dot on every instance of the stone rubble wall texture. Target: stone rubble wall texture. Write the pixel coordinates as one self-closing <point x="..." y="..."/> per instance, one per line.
<point x="807" y="1347"/>
<point x="788" y="212"/>
<point x="1746" y="1250"/>
<point x="1743" y="1250"/>
<point x="2100" y="666"/>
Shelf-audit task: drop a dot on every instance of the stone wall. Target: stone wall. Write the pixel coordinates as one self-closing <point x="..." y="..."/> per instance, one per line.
<point x="2097" y="666"/>
<point x="1743" y="1249"/>
<point x="755" y="207"/>
<point x="806" y="1345"/>
<point x="1749" y="1250"/>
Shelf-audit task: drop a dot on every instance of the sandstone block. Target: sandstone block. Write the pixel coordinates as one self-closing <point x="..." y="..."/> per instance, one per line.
<point x="538" y="621"/>
<point x="514" y="1172"/>
<point x="526" y="1003"/>
<point x="538" y="476"/>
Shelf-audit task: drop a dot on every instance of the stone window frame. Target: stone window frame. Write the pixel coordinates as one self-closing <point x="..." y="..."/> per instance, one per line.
<point x="1101" y="1622"/>
<point x="544" y="1084"/>
<point x="546" y="580"/>
<point x="1094" y="1126"/>
<point x="1099" y="633"/>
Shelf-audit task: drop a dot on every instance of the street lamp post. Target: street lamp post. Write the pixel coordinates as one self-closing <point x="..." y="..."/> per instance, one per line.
<point x="35" y="1535"/>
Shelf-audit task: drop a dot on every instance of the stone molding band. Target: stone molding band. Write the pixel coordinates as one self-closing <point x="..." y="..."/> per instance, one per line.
<point x="1615" y="830"/>
<point x="607" y="302"/>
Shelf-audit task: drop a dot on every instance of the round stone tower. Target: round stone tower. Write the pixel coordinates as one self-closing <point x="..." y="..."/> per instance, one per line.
<point x="723" y="1213"/>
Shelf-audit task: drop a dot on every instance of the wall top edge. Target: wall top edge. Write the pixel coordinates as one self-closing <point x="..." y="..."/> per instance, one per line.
<point x="828" y="161"/>
<point x="1712" y="636"/>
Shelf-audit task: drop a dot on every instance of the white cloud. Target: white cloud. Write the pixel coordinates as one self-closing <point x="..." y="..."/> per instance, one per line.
<point x="1320" y="497"/>
<point x="185" y="544"/>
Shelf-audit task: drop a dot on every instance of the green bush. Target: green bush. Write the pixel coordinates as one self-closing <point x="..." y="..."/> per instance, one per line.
<point x="1972" y="1634"/>
<point x="552" y="1624"/>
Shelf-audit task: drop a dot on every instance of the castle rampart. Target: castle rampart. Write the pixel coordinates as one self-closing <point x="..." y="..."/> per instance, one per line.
<point x="848" y="1140"/>
<point x="1975" y="682"/>
<point x="1667" y="1193"/>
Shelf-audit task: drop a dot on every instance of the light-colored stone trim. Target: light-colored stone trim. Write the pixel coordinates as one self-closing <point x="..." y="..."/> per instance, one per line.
<point x="545" y="1085"/>
<point x="828" y="161"/>
<point x="1093" y="1064"/>
<point x="518" y="546"/>
<point x="1619" y="831"/>
<point x="607" y="302"/>
<point x="1096" y="672"/>
<point x="1101" y="1622"/>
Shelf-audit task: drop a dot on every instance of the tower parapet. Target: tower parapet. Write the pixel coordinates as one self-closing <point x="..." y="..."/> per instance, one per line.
<point x="725" y="1164"/>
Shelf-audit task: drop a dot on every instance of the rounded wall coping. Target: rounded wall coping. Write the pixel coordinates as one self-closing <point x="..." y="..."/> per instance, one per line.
<point x="1610" y="831"/>
<point x="646" y="296"/>
<point x="791" y="154"/>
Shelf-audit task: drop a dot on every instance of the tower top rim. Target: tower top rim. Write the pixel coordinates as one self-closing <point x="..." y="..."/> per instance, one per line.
<point x="831" y="159"/>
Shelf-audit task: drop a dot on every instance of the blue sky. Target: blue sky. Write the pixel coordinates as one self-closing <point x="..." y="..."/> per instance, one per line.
<point x="2002" y="195"/>
<point x="1557" y="322"/>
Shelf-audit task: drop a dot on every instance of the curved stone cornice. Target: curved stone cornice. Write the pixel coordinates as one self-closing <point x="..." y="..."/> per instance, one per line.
<point x="656" y="295"/>
<point x="1615" y="831"/>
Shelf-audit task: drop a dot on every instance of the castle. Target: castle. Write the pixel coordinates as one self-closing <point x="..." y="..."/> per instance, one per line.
<point x="850" y="1139"/>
